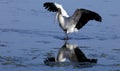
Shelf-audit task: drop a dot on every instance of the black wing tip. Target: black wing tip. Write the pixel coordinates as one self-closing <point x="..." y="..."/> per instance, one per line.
<point x="98" y="18"/>
<point x="50" y="6"/>
<point x="46" y="3"/>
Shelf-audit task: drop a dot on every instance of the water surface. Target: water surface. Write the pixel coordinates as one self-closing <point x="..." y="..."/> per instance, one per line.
<point x="28" y="36"/>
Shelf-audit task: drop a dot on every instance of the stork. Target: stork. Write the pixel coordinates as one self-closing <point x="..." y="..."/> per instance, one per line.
<point x="70" y="24"/>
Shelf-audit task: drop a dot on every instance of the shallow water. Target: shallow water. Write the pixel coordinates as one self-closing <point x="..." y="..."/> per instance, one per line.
<point x="28" y="36"/>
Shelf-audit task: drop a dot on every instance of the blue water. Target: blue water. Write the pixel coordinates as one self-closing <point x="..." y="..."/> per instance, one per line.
<point x="28" y="35"/>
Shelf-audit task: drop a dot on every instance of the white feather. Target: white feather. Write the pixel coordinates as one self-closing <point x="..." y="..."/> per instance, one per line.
<point x="64" y="13"/>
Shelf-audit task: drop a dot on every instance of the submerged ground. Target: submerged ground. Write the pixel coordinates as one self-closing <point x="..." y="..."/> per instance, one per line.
<point x="28" y="35"/>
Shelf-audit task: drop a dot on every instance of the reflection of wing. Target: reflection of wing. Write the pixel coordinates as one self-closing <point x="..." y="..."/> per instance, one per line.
<point x="49" y="59"/>
<point x="79" y="54"/>
<point x="82" y="16"/>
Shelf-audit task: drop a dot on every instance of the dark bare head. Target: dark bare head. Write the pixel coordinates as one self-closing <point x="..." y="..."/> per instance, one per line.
<point x="59" y="11"/>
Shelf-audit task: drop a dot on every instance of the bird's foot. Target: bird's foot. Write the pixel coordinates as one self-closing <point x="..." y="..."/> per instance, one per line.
<point x="66" y="38"/>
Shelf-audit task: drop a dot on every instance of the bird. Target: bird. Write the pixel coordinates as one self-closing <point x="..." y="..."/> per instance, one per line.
<point x="75" y="22"/>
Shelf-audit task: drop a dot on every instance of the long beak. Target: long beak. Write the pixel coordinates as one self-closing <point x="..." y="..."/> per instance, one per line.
<point x="55" y="18"/>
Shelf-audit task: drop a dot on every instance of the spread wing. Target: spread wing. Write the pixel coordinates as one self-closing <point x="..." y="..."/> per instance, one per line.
<point x="82" y="16"/>
<point x="53" y="7"/>
<point x="50" y="6"/>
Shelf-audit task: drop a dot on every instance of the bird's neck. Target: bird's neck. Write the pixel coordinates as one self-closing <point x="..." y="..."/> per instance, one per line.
<point x="61" y="20"/>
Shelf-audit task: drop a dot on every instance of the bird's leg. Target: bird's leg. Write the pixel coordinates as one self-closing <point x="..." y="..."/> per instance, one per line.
<point x="66" y="37"/>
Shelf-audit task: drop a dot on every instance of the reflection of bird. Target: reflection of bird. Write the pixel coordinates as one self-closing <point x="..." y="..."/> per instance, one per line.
<point x="72" y="53"/>
<point x="72" y="23"/>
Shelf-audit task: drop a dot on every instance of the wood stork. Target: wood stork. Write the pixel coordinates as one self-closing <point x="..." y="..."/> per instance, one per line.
<point x="72" y="23"/>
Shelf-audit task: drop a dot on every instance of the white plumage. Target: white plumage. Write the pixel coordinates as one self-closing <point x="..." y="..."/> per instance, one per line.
<point x="64" y="13"/>
<point x="72" y="23"/>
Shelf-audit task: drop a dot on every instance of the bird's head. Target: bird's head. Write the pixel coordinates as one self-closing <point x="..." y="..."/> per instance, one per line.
<point x="59" y="11"/>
